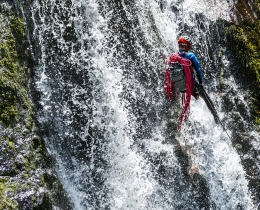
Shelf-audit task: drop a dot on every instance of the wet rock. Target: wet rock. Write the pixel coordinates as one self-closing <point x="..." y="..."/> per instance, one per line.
<point x="24" y="160"/>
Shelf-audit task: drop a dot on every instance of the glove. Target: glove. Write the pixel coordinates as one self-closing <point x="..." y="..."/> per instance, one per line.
<point x="200" y="87"/>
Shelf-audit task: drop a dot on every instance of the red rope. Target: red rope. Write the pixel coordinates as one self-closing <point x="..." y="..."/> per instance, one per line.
<point x="168" y="84"/>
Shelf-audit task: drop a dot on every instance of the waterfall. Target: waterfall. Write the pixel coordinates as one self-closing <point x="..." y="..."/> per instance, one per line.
<point x="98" y="82"/>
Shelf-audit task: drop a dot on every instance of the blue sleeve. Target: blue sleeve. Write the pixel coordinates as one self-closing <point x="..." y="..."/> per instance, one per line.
<point x="196" y="65"/>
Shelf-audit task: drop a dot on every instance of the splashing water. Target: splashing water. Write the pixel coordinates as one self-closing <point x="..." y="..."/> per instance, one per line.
<point x="99" y="79"/>
<point x="215" y="158"/>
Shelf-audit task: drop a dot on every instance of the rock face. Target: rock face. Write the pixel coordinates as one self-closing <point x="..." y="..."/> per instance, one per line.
<point x="243" y="38"/>
<point x="26" y="179"/>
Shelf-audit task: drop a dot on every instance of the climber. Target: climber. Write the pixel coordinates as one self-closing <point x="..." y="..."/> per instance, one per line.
<point x="183" y="81"/>
<point x="184" y="46"/>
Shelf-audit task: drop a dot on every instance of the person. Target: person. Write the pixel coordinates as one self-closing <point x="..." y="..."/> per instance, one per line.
<point x="188" y="61"/>
<point x="184" y="44"/>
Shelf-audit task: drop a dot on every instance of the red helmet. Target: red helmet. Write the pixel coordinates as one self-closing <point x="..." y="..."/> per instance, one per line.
<point x="185" y="40"/>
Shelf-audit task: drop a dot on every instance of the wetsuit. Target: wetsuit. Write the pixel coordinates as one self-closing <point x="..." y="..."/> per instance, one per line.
<point x="192" y="57"/>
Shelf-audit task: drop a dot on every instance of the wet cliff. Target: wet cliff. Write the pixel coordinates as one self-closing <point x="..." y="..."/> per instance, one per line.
<point x="94" y="72"/>
<point x="26" y="178"/>
<point x="243" y="39"/>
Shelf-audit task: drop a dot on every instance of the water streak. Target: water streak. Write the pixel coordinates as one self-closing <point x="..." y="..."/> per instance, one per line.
<point x="99" y="79"/>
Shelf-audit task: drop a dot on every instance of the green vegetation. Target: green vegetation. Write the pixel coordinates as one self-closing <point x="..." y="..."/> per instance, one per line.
<point x="244" y="39"/>
<point x="13" y="73"/>
<point x="6" y="203"/>
<point x="23" y="151"/>
<point x="8" y="71"/>
<point x="16" y="115"/>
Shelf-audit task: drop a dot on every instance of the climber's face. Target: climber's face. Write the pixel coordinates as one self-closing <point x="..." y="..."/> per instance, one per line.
<point x="183" y="46"/>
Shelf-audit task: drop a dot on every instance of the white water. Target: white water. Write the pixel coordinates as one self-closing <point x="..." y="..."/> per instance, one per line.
<point x="126" y="177"/>
<point x="215" y="158"/>
<point x="129" y="182"/>
<point x="211" y="150"/>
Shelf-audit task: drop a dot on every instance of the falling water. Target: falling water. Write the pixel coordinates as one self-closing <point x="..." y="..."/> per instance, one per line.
<point x="99" y="97"/>
<point x="211" y="150"/>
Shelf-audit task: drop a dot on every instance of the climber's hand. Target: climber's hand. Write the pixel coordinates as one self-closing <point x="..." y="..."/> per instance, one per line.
<point x="199" y="87"/>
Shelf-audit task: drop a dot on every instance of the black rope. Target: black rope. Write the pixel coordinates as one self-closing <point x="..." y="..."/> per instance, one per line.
<point x="213" y="110"/>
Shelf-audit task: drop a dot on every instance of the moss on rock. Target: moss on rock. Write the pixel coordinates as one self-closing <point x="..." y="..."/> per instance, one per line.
<point x="244" y="39"/>
<point x="6" y="203"/>
<point x="23" y="156"/>
<point x="15" y="104"/>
